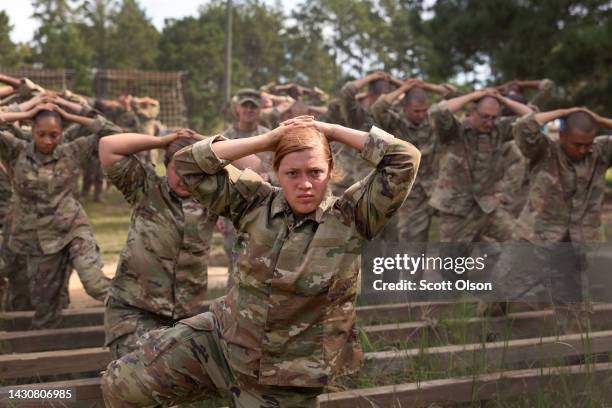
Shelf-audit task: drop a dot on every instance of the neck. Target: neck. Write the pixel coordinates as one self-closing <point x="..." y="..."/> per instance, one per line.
<point x="247" y="125"/>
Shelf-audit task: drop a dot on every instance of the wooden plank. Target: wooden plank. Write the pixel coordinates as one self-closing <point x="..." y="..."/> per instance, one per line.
<point x="538" y="352"/>
<point x="87" y="391"/>
<point x="52" y="339"/>
<point x="20" y="321"/>
<point x="28" y="365"/>
<point x="479" y="329"/>
<point x="514" y="325"/>
<point x="469" y="389"/>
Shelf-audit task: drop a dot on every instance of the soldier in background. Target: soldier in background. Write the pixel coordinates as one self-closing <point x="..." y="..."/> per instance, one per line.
<point x="470" y="191"/>
<point x="564" y="205"/>
<point x="248" y="110"/>
<point x="50" y="226"/>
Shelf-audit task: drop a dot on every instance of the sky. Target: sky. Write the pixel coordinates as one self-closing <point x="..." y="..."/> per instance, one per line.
<point x="20" y="12"/>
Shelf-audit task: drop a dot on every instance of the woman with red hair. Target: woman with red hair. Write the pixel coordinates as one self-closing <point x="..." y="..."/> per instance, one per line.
<point x="286" y="329"/>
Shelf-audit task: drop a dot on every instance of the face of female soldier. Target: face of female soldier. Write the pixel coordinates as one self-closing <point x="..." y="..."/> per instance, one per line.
<point x="47" y="134"/>
<point x="303" y="176"/>
<point x="174" y="181"/>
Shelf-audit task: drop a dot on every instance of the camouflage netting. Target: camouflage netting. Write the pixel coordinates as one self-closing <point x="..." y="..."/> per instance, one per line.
<point x="54" y="79"/>
<point x="166" y="87"/>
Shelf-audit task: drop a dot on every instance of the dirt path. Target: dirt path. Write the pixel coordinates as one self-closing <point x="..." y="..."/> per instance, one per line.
<point x="217" y="277"/>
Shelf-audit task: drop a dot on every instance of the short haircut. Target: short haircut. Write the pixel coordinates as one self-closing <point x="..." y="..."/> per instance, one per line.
<point x="49" y="114"/>
<point x="486" y="99"/>
<point x="417" y="95"/>
<point x="581" y="121"/>
<point x="378" y="87"/>
<point x="175" y="146"/>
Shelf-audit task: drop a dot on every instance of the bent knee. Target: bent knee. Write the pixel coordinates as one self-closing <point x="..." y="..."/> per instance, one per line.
<point x="121" y="387"/>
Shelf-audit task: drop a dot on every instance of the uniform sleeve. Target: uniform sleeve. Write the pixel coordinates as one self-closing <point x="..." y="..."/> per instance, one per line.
<point x="131" y="177"/>
<point x="604" y="143"/>
<point x="443" y="122"/>
<point x="85" y="147"/>
<point x="384" y="115"/>
<point x="529" y="138"/>
<point x="10" y="147"/>
<point x="504" y="126"/>
<point x="216" y="184"/>
<point x="544" y="93"/>
<point x="352" y="111"/>
<point x="374" y="200"/>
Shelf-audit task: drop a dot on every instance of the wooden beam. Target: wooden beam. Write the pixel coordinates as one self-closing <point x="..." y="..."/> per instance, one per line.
<point x="470" y="389"/>
<point x="474" y="330"/>
<point x="538" y="352"/>
<point x="28" y="365"/>
<point x="20" y="321"/>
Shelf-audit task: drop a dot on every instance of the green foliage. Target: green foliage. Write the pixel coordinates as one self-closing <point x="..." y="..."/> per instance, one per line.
<point x="8" y="50"/>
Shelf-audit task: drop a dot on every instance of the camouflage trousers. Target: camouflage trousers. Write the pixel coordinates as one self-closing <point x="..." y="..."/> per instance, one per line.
<point x="414" y="218"/>
<point x="186" y="363"/>
<point x="15" y="294"/>
<point x="477" y="226"/>
<point x="124" y="326"/>
<point x="229" y="240"/>
<point x="48" y="278"/>
<point x="92" y="176"/>
<point x="550" y="273"/>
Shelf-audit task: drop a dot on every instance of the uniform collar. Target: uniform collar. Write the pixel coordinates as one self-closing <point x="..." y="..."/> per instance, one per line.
<point x="43" y="158"/>
<point x="280" y="205"/>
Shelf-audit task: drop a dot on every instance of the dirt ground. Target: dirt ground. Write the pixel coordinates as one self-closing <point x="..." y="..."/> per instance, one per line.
<point x="217" y="277"/>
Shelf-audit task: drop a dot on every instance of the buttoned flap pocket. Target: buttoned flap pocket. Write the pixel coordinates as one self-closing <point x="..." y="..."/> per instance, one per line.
<point x="157" y="342"/>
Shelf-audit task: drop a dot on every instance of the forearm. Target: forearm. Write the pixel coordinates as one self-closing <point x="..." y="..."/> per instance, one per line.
<point x="14" y="116"/>
<point x="392" y="96"/>
<point x="517" y="107"/>
<point x="235" y="149"/>
<point x="115" y="147"/>
<point x="455" y="104"/>
<point x="529" y="84"/>
<point x="14" y="82"/>
<point x="6" y="91"/>
<point x="436" y="88"/>
<point x="545" y="117"/>
<point x="81" y="120"/>
<point x="351" y="137"/>
<point x="605" y="122"/>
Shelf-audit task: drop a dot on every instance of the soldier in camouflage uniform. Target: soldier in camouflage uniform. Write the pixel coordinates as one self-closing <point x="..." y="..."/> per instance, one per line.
<point x="411" y="124"/>
<point x="51" y="228"/>
<point x="470" y="192"/>
<point x="564" y="204"/>
<point x="248" y="110"/>
<point x="162" y="271"/>
<point x="356" y="114"/>
<point x="287" y="329"/>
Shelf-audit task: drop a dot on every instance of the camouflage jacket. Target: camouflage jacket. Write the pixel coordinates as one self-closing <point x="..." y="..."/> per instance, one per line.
<point x="290" y="319"/>
<point x="350" y="167"/>
<point x="163" y="267"/>
<point x="267" y="158"/>
<point x="564" y="196"/>
<point x="543" y="95"/>
<point x="47" y="216"/>
<point x="473" y="166"/>
<point x="422" y="136"/>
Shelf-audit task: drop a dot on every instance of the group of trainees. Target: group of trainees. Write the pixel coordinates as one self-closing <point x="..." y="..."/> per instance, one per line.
<point x="286" y="329"/>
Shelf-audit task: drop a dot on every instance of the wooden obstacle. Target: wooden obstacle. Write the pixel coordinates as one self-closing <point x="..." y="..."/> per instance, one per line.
<point x="501" y="343"/>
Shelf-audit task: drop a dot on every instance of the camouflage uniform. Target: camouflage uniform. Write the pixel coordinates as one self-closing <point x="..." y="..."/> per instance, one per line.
<point x="471" y="189"/>
<point x="162" y="272"/>
<point x="350" y="167"/>
<point x="564" y="205"/>
<point x="51" y="227"/>
<point x="290" y="319"/>
<point x="229" y="234"/>
<point x="414" y="218"/>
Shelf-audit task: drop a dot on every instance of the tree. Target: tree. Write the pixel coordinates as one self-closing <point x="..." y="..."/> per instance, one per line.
<point x="97" y="26"/>
<point x="134" y="39"/>
<point x="8" y="49"/>
<point x="59" y="43"/>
